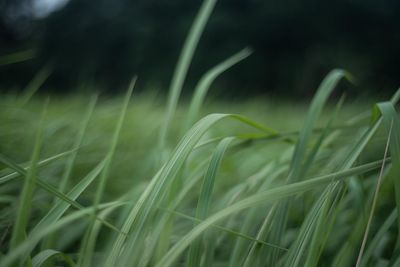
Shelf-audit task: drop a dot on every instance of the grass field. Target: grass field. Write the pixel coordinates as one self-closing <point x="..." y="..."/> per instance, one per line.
<point x="85" y="181"/>
<point x="132" y="181"/>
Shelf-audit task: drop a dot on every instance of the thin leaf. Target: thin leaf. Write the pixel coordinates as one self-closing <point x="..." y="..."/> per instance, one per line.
<point x="205" y="82"/>
<point x="204" y="201"/>
<point x="183" y="64"/>
<point x="45" y="255"/>
<point x="25" y="203"/>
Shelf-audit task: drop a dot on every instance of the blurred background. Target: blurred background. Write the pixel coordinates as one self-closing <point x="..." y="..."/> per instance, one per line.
<point x="295" y="44"/>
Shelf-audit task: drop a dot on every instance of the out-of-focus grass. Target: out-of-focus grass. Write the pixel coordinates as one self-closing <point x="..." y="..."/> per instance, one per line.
<point x="139" y="133"/>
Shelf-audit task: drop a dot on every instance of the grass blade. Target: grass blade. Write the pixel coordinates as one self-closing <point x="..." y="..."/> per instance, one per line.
<point x="204" y="201"/>
<point x="205" y="82"/>
<point x="182" y="67"/>
<point x="88" y="242"/>
<point x="25" y="204"/>
<point x="35" y="84"/>
<point x="45" y="255"/>
<point x="17" y="57"/>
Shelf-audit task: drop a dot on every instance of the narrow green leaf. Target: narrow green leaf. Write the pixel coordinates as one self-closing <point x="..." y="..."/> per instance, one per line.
<point x="45" y="255"/>
<point x="34" y="85"/>
<point x="42" y="163"/>
<point x="25" y="203"/>
<point x="360" y="255"/>
<point x="88" y="242"/>
<point x="205" y="82"/>
<point x="183" y="64"/>
<point x="78" y="142"/>
<point x="17" y="57"/>
<point x="204" y="201"/>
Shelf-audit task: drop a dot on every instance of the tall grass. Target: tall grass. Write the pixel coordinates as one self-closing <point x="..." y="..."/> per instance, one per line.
<point x="232" y="192"/>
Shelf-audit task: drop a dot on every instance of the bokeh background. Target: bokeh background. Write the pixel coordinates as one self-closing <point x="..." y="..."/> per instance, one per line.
<point x="295" y="44"/>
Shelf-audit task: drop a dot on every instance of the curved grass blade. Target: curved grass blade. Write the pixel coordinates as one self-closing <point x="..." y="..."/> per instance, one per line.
<point x="205" y="82"/>
<point x="325" y="89"/>
<point x="45" y="255"/>
<point x="204" y="201"/>
<point x="182" y="67"/>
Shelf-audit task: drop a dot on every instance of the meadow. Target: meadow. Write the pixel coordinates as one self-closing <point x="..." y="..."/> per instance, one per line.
<point x="88" y="180"/>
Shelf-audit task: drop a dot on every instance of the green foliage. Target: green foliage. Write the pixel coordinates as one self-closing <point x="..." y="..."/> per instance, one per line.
<point x="233" y="191"/>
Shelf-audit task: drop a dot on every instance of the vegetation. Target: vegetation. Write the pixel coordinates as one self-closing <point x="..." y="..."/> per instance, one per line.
<point x="95" y="182"/>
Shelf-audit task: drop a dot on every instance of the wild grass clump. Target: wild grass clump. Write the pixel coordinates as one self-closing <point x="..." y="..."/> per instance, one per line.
<point x="92" y="188"/>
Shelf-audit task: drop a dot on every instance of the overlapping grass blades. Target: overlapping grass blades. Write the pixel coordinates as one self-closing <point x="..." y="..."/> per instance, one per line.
<point x="159" y="184"/>
<point x="262" y="198"/>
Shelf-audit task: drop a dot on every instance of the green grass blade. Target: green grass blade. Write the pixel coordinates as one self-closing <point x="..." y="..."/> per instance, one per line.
<point x="374" y="201"/>
<point x="391" y="219"/>
<point x="60" y="207"/>
<point x="182" y="67"/>
<point x="392" y="123"/>
<point x="205" y="82"/>
<point x="204" y="201"/>
<point x="45" y="255"/>
<point x="42" y="163"/>
<point x="78" y="142"/>
<point x="318" y="102"/>
<point x="34" y="85"/>
<point x="25" y="203"/>
<point x="88" y="242"/>
<point x="252" y="257"/>
<point x="229" y="231"/>
<point x="17" y="57"/>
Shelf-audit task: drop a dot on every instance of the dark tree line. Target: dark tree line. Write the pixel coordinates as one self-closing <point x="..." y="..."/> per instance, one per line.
<point x="295" y="43"/>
